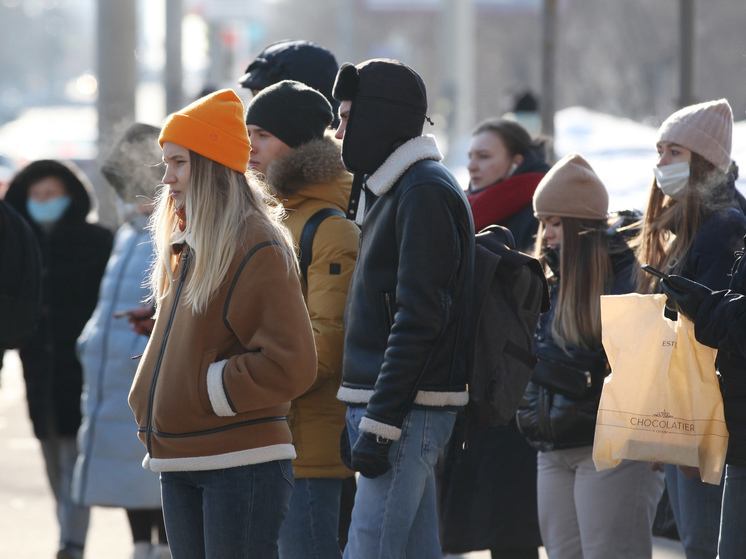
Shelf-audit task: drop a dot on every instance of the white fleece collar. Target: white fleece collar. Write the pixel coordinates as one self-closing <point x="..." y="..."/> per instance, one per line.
<point x="396" y="164"/>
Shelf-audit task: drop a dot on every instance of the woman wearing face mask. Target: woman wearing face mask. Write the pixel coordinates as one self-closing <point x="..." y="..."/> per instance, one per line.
<point x="584" y="514"/>
<point x="55" y="199"/>
<point x="505" y="165"/>
<point x="692" y="227"/>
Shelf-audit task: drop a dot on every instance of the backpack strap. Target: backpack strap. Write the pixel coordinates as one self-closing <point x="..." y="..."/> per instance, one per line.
<point x="309" y="232"/>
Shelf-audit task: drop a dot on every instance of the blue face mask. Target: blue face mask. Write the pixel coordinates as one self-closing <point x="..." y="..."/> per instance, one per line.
<point x="49" y="211"/>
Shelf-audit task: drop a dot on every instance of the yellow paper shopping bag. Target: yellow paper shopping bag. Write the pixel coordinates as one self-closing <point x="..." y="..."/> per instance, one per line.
<point x="661" y="402"/>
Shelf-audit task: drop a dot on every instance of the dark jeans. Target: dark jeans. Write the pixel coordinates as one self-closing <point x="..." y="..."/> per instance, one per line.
<point x="235" y="513"/>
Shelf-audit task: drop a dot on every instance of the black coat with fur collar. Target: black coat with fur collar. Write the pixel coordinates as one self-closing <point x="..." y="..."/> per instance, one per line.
<point x="408" y="312"/>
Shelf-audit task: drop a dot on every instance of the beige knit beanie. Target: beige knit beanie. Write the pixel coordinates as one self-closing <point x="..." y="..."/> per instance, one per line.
<point x="571" y="189"/>
<point x="706" y="129"/>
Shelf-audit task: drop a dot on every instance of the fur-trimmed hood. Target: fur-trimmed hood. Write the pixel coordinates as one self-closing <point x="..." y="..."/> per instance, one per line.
<point x="315" y="162"/>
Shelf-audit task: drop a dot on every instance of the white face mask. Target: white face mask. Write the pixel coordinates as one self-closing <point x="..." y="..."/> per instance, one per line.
<point x="672" y="179"/>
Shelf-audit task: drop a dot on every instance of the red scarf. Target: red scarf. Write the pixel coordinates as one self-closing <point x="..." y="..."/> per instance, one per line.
<point x="498" y="202"/>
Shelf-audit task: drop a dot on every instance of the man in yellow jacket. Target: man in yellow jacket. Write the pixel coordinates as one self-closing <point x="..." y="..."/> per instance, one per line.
<point x="292" y="145"/>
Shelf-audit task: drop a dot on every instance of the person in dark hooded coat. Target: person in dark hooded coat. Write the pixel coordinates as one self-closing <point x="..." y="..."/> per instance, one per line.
<point x="55" y="199"/>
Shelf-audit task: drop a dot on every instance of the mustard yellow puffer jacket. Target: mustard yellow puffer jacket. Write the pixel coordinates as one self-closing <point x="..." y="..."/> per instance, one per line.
<point x="310" y="178"/>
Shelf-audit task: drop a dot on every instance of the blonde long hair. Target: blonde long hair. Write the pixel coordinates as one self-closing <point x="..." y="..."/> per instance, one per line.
<point x="586" y="273"/>
<point x="669" y="227"/>
<point x="220" y="202"/>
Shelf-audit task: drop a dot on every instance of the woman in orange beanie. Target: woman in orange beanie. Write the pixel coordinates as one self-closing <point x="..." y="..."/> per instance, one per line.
<point x="232" y="343"/>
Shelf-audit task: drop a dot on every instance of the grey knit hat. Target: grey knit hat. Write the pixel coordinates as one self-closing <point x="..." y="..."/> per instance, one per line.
<point x="290" y="111"/>
<point x="571" y="189"/>
<point x="706" y="129"/>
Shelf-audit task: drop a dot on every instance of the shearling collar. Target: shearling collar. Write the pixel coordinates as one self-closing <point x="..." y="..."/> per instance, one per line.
<point x="315" y="162"/>
<point x="396" y="164"/>
<point x="406" y="155"/>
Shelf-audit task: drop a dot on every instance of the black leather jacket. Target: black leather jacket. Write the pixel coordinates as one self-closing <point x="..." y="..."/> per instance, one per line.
<point x="550" y="420"/>
<point x="407" y="319"/>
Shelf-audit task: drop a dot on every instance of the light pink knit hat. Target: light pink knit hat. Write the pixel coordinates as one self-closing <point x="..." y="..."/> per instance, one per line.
<point x="706" y="129"/>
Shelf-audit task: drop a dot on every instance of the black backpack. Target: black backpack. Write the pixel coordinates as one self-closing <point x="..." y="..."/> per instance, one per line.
<point x="510" y="293"/>
<point x="20" y="279"/>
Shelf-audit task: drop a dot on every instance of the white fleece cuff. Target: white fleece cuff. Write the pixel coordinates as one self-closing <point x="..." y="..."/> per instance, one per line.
<point x="382" y="429"/>
<point x="215" y="390"/>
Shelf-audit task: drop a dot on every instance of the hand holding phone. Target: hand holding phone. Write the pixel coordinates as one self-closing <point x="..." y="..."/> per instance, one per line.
<point x="123" y="314"/>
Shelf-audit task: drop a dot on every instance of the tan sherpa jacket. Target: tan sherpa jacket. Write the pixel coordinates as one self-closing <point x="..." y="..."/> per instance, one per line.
<point x="308" y="179"/>
<point x="212" y="390"/>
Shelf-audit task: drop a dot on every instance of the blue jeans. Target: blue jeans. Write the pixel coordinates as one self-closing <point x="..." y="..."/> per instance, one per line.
<point x="395" y="515"/>
<point x="234" y="513"/>
<point x="733" y="519"/>
<point x="311" y="527"/>
<point x="696" y="509"/>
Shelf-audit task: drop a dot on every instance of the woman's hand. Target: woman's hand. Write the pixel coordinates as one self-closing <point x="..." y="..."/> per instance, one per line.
<point x="140" y="318"/>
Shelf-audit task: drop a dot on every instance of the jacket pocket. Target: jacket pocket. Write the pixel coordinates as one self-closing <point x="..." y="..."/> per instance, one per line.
<point x="208" y="358"/>
<point x="389" y="308"/>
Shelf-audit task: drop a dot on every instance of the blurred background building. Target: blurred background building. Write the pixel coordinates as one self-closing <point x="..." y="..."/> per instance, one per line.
<point x="75" y="72"/>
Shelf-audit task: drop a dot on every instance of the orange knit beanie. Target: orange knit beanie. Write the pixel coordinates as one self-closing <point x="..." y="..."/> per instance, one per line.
<point x="212" y="126"/>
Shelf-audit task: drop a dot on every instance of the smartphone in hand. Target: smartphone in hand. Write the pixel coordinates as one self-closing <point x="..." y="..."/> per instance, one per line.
<point x="123" y="314"/>
<point x="650" y="270"/>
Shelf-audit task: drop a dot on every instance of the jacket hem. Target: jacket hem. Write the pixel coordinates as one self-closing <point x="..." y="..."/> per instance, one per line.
<point x="426" y="398"/>
<point x="221" y="461"/>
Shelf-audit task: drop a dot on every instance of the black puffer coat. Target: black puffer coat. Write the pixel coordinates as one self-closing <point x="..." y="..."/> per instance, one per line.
<point x="552" y="421"/>
<point x="74" y="256"/>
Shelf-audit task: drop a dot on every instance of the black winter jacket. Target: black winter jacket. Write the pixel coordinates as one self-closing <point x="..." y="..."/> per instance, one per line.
<point x="74" y="256"/>
<point x="407" y="319"/>
<point x="721" y="323"/>
<point x="552" y="421"/>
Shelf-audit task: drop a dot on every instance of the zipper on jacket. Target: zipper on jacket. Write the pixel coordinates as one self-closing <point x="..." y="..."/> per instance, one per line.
<point x="172" y="314"/>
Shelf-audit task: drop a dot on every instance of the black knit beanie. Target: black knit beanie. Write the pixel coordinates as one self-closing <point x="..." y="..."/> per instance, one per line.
<point x="290" y="111"/>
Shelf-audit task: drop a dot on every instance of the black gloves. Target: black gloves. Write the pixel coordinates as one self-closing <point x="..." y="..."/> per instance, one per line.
<point x="684" y="295"/>
<point x="370" y="455"/>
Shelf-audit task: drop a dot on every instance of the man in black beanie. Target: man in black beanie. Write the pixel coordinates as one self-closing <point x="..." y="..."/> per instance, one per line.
<point x="408" y="310"/>
<point x="292" y="145"/>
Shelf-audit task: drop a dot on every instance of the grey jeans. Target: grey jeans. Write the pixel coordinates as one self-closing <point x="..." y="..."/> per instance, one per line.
<point x="585" y="514"/>
<point x="59" y="457"/>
